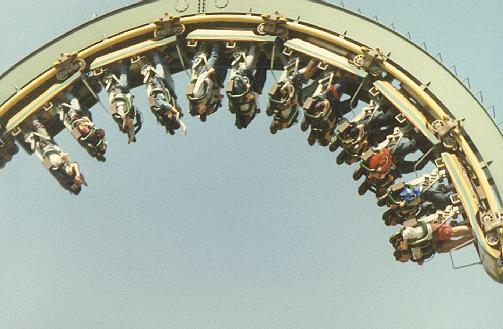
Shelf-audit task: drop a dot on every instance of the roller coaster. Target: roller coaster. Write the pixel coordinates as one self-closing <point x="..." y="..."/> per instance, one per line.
<point x="409" y="126"/>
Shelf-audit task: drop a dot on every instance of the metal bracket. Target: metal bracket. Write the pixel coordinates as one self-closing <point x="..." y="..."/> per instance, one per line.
<point x="367" y="155"/>
<point x="192" y="43"/>
<point x="455" y="200"/>
<point x="308" y="104"/>
<point x="15" y="131"/>
<point x="322" y="66"/>
<point x="439" y="163"/>
<point x="48" y="106"/>
<point x="168" y="25"/>
<point x="489" y="221"/>
<point x="99" y="71"/>
<point x="443" y="127"/>
<point x="397" y="187"/>
<point x="374" y="92"/>
<point x="446" y="130"/>
<point x="287" y="52"/>
<point x="67" y="64"/>
<point x="274" y="24"/>
<point x="401" y="118"/>
<point x="136" y="59"/>
<point x="230" y="44"/>
<point x="343" y="126"/>
<point x="460" y="247"/>
<point x="370" y="60"/>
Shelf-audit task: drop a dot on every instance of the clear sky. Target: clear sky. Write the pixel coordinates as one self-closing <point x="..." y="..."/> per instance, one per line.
<point x="226" y="228"/>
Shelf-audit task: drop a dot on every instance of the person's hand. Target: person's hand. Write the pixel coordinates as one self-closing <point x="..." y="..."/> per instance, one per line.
<point x="211" y="73"/>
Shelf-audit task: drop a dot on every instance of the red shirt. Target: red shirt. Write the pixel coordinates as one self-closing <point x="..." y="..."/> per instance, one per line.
<point x="382" y="161"/>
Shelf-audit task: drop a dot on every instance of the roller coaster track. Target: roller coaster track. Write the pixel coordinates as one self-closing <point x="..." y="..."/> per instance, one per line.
<point x="426" y="94"/>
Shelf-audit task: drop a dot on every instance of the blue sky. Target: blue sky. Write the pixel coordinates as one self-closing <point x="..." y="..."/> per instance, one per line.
<point x="226" y="228"/>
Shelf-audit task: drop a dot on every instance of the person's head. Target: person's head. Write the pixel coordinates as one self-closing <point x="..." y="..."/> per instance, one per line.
<point x="102" y="149"/>
<point x="99" y="138"/>
<point x="318" y="107"/>
<point x="83" y="128"/>
<point x="127" y="123"/>
<point x="395" y="239"/>
<point x="398" y="242"/>
<point x="240" y="85"/>
<point x="409" y="194"/>
<point x="402" y="246"/>
<point x="392" y="221"/>
<point x="354" y="131"/>
<point x="401" y="256"/>
<point x="249" y="98"/>
<point x="76" y="188"/>
<point x="99" y="134"/>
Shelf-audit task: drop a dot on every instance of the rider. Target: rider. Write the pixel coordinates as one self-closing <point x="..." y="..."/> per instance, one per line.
<point x="93" y="139"/>
<point x="379" y="169"/>
<point x="161" y="95"/>
<point x="58" y="163"/>
<point x="79" y="120"/>
<point x="284" y="95"/>
<point x="297" y="79"/>
<point x="245" y="85"/>
<point x="371" y="128"/>
<point x="422" y="240"/>
<point x="333" y="95"/>
<point x="386" y="163"/>
<point x="414" y="201"/>
<point x="121" y="103"/>
<point x="413" y="196"/>
<point x="326" y="110"/>
<point x="208" y="75"/>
